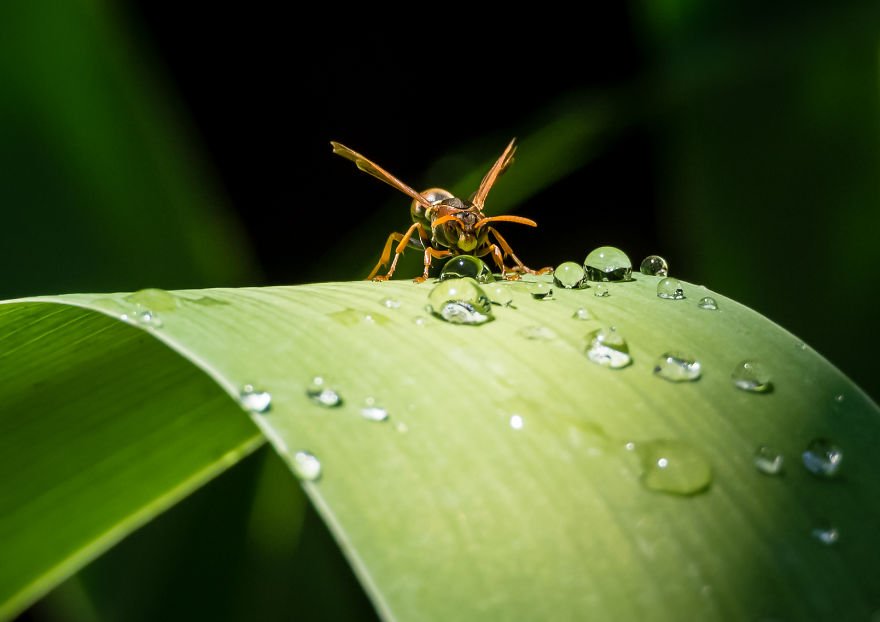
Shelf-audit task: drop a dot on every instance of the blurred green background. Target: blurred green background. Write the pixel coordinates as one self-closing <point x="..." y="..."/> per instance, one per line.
<point x="164" y="146"/>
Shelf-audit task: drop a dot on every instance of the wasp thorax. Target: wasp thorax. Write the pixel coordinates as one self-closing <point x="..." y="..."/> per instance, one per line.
<point x="434" y="196"/>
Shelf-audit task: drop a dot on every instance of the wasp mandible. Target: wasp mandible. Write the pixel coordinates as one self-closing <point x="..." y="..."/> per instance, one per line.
<point x="456" y="226"/>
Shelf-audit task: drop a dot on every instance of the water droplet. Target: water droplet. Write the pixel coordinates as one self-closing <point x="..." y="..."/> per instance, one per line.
<point x="420" y="320"/>
<point x="499" y="294"/>
<point x="517" y="422"/>
<point x="536" y="333"/>
<point x="372" y="411"/>
<point x="390" y="303"/>
<point x="708" y="303"/>
<point x="460" y="301"/>
<point x="677" y="367"/>
<point x="601" y="291"/>
<point x="255" y="400"/>
<point x="153" y="298"/>
<point x="654" y="265"/>
<point x="144" y="317"/>
<point x="306" y="466"/>
<point x="402" y="427"/>
<point x="752" y="377"/>
<point x="583" y="314"/>
<point x="670" y="289"/>
<point x="674" y="467"/>
<point x="541" y="291"/>
<point x="839" y="398"/>
<point x="357" y="317"/>
<point x="826" y="533"/>
<point x="569" y="275"/>
<point x="608" y="349"/>
<point x="322" y="394"/>
<point x="462" y="266"/>
<point x="208" y="301"/>
<point x="607" y="263"/>
<point x="822" y="458"/>
<point x="768" y="460"/>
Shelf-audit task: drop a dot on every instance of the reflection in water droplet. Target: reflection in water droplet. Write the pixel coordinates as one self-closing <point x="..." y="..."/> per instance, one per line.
<point x="673" y="467"/>
<point x="654" y="265"/>
<point x="606" y="347"/>
<point x="153" y="298"/>
<point x="822" y="457"/>
<point x="541" y="291"/>
<point x="306" y="466"/>
<point x="569" y="275"/>
<point x="462" y="266"/>
<point x="608" y="263"/>
<point x="460" y="301"/>
<point x="826" y="533"/>
<point x="390" y="303"/>
<point x="583" y="314"/>
<point x="768" y="460"/>
<point x="752" y="377"/>
<point x="322" y="394"/>
<point x="601" y="291"/>
<point x="708" y="303"/>
<point x="372" y="411"/>
<point x="255" y="400"/>
<point x="677" y="367"/>
<point x="517" y="422"/>
<point x="670" y="289"/>
<point x="536" y="333"/>
<point x="357" y="317"/>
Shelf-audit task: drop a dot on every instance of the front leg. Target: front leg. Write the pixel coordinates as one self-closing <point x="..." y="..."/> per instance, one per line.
<point x="403" y="238"/>
<point x="431" y="253"/>
<point x="508" y="252"/>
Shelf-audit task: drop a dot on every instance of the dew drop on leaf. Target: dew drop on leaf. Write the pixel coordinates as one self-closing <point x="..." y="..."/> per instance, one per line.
<point x="390" y="303"/>
<point x="601" y="291"/>
<point x="768" y="460"/>
<point x="606" y="347"/>
<point x="460" y="301"/>
<point x="541" y="291"/>
<point x="751" y="376"/>
<point x="569" y="275"/>
<point x="582" y="314"/>
<point x="708" y="303"/>
<point x="822" y="457"/>
<point x="306" y="466"/>
<point x="654" y="265"/>
<point x="670" y="289"/>
<point x="254" y="399"/>
<point x="462" y="266"/>
<point x="371" y="411"/>
<point x="153" y="298"/>
<point x="517" y="422"/>
<point x="608" y="263"/>
<point x="673" y="467"/>
<point x="677" y="367"/>
<point x="322" y="394"/>
<point x="826" y="533"/>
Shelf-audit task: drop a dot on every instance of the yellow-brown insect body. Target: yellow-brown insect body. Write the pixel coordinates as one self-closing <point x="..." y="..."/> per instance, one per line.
<point x="460" y="234"/>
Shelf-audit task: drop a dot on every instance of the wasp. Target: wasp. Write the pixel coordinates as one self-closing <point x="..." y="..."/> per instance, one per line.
<point x="444" y="224"/>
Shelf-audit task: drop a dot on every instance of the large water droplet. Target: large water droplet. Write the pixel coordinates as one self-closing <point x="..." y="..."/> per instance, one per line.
<point x="372" y="411"/>
<point x="822" y="457"/>
<point x="608" y="263"/>
<point x="306" y="466"/>
<point x="537" y="333"/>
<point x="569" y="275"/>
<point x="608" y="348"/>
<point x="601" y="290"/>
<point x="460" y="301"/>
<point x="708" y="303"/>
<point x="357" y="317"/>
<point x="322" y="394"/>
<point x="462" y="266"/>
<point x="826" y="533"/>
<point x="255" y="400"/>
<point x="153" y="298"/>
<point x="677" y="367"/>
<point x="517" y="422"/>
<point x="673" y="467"/>
<point x="670" y="289"/>
<point x="583" y="314"/>
<point x="541" y="291"/>
<point x="654" y="265"/>
<point x="499" y="294"/>
<point x="752" y="377"/>
<point x="768" y="460"/>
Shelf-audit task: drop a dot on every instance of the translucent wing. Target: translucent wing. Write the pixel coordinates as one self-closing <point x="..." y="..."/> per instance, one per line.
<point x="378" y="172"/>
<point x="489" y="180"/>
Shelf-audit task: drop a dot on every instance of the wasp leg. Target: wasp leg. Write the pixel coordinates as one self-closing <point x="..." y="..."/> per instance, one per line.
<point x="520" y="266"/>
<point x="431" y="253"/>
<point x="403" y="238"/>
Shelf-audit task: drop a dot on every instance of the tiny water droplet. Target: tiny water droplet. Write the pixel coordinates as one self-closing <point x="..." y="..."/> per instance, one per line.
<point x="583" y="314"/>
<point x="541" y="291"/>
<point x="708" y="303"/>
<point x="608" y="263"/>
<point x="801" y="345"/>
<point x="153" y="298"/>
<point x="306" y="466"/>
<point x="420" y="320"/>
<point x="601" y="291"/>
<point x="822" y="458"/>
<point x="678" y="367"/>
<point x="839" y="398"/>
<point x="536" y="333"/>
<point x="462" y="266"/>
<point x="606" y="347"/>
<point x="460" y="301"/>
<point x="402" y="428"/>
<point x="208" y="301"/>
<point x="390" y="303"/>
<point x="826" y="533"/>
<point x="372" y="411"/>
<point x="517" y="422"/>
<point x="654" y="265"/>
<point x="670" y="289"/>
<point x="674" y="467"/>
<point x="255" y="400"/>
<point x="322" y="394"/>
<point x="144" y="317"/>
<point x="768" y="460"/>
<point x="752" y="377"/>
<point x="499" y="294"/>
<point x="358" y="317"/>
<point x="569" y="275"/>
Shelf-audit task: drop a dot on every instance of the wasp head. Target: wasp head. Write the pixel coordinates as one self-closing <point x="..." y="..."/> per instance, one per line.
<point x="454" y="225"/>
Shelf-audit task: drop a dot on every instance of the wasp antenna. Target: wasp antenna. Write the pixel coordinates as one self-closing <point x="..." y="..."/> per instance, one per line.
<point x="516" y="219"/>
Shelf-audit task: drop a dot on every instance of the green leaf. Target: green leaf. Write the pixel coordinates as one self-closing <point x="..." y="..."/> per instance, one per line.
<point x="446" y="510"/>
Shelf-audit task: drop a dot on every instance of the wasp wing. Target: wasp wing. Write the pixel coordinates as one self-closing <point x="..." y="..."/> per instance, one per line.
<point x="499" y="167"/>
<point x="378" y="172"/>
